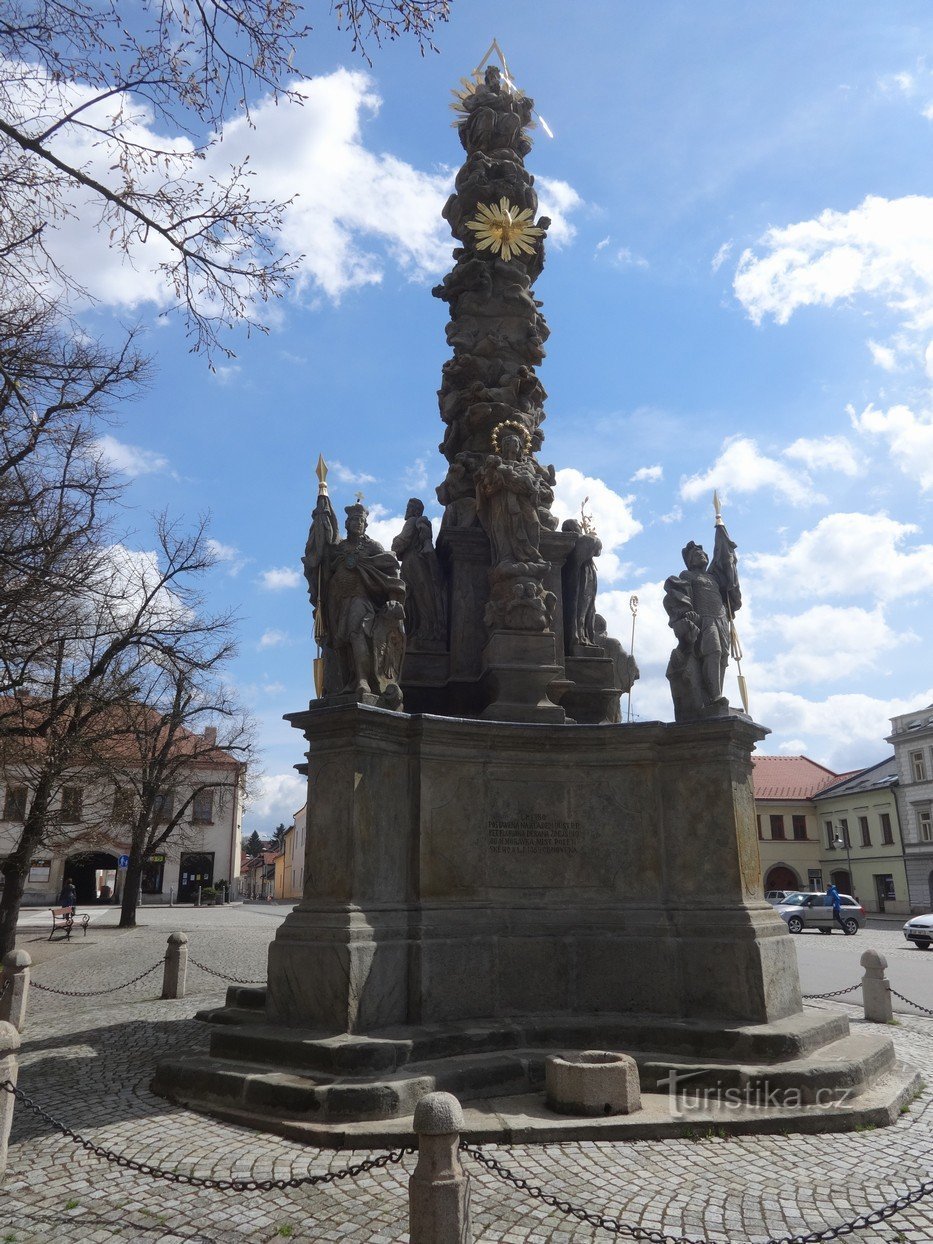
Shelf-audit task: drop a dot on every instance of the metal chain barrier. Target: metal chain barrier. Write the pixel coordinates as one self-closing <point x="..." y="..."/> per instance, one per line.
<point x="202" y="1181"/>
<point x="926" y="1010"/>
<point x="617" y="1227"/>
<point x="7" y="984"/>
<point x="233" y="980"/>
<point x="836" y="993"/>
<point x="96" y="993"/>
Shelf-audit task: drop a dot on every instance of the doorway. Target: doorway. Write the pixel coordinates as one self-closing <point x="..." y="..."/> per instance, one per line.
<point x="195" y="871"/>
<point x="94" y="875"/>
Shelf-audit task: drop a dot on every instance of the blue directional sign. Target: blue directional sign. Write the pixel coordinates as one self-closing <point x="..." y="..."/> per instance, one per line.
<point x="124" y="861"/>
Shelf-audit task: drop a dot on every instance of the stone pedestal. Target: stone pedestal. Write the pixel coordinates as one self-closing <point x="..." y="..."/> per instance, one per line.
<point x="518" y="668"/>
<point x="463" y="869"/>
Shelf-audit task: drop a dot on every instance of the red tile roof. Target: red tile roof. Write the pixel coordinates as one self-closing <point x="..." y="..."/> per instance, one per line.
<point x="789" y="777"/>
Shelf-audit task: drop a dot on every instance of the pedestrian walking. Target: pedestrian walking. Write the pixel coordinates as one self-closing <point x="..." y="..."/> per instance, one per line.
<point x="832" y="895"/>
<point x="68" y="896"/>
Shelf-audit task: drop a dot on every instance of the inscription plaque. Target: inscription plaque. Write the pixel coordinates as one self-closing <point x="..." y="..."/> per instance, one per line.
<point x="533" y="833"/>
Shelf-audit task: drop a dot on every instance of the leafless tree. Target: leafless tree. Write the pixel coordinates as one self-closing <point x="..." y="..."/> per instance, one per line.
<point x="55" y="486"/>
<point x="133" y="616"/>
<point x="87" y="93"/>
<point x="183" y="753"/>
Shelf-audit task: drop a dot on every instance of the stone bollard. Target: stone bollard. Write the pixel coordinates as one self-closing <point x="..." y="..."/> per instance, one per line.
<point x="176" y="966"/>
<point x="9" y="1044"/>
<point x="876" y="992"/>
<point x="438" y="1190"/>
<point x="16" y="965"/>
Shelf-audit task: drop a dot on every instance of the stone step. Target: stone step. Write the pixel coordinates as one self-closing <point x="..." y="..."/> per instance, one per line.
<point x="239" y="1035"/>
<point x="842" y="1069"/>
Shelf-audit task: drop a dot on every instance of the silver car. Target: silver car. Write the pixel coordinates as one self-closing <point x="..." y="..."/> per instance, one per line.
<point x="815" y="911"/>
<point x="919" y="930"/>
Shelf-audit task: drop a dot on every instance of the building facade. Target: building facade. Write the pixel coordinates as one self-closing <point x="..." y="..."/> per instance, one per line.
<point x="788" y="833"/>
<point x="912" y="739"/>
<point x="861" y="848"/>
<point x="91" y="842"/>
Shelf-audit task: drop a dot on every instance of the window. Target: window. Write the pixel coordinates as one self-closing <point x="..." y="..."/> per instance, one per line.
<point x="14" y="808"/>
<point x="887" y="835"/>
<point x="830" y="843"/>
<point x="926" y="826"/>
<point x="815" y="878"/>
<point x="884" y="886"/>
<point x="865" y="831"/>
<point x="40" y="870"/>
<point x="758" y="822"/>
<point x="777" y="826"/>
<point x="124" y="806"/>
<point x="844" y="832"/>
<point x="202" y="812"/>
<point x="800" y="828"/>
<point x="162" y="807"/>
<point x="917" y="767"/>
<point x="72" y="799"/>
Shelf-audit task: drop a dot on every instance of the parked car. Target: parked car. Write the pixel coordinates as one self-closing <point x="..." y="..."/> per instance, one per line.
<point x="919" y="930"/>
<point x="815" y="911"/>
<point x="777" y="896"/>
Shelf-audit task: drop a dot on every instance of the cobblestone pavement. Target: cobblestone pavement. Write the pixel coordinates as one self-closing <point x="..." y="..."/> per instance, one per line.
<point x="89" y="1063"/>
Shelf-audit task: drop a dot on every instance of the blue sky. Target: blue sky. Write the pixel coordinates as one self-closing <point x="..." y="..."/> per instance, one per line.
<point x="739" y="287"/>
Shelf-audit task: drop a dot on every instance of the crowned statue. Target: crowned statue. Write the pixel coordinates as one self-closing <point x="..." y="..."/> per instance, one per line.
<point x="358" y="596"/>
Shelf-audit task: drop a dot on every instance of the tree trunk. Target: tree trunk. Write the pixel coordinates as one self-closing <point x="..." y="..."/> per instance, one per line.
<point x="130" y="899"/>
<point x="15" y="867"/>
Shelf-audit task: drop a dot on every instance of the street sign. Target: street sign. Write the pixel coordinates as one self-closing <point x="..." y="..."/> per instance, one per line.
<point x="123" y="861"/>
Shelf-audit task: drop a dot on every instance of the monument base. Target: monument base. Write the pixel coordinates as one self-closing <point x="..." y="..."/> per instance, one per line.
<point x="481" y="894"/>
<point x="808" y="1072"/>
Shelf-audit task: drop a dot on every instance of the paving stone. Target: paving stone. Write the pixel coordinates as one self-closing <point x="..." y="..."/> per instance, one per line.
<point x="89" y="1062"/>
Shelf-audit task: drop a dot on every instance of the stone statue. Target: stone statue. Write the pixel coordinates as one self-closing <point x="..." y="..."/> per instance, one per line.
<point x="510" y="492"/>
<point x="425" y="604"/>
<point x="579" y="586"/>
<point x="700" y="603"/>
<point x="624" y="669"/>
<point x="358" y="594"/>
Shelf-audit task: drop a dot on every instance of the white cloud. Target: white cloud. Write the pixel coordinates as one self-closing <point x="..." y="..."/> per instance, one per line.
<point x="883" y="356"/>
<point x="275" y="798"/>
<point x="226" y="373"/>
<point x="847" y="555"/>
<point x="882" y="248"/>
<point x="721" y="256"/>
<point x="611" y="513"/>
<point x="833" y="453"/>
<point x="383" y="526"/>
<point x="130" y="460"/>
<point x="647" y="475"/>
<point x="230" y="556"/>
<point x="346" y="476"/>
<point x="742" y="468"/>
<point x="843" y="731"/>
<point x="825" y="643"/>
<point x="416" y="475"/>
<point x="272" y="638"/>
<point x="557" y="199"/>
<point x="624" y="257"/>
<point x="279" y="577"/>
<point x="909" y="438"/>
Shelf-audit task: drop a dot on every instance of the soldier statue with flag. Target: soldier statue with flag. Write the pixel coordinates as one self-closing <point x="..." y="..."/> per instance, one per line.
<point x="701" y="603"/>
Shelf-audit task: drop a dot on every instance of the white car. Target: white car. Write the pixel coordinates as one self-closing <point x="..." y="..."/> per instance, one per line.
<point x="919" y="930"/>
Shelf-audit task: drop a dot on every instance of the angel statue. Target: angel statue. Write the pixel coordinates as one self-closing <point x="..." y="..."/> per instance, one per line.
<point x="358" y="596"/>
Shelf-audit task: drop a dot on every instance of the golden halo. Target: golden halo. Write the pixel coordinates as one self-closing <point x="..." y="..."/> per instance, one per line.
<point x="516" y="427"/>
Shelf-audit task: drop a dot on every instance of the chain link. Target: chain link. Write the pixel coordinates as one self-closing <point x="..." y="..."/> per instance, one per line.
<point x="7" y="984"/>
<point x="617" y="1227"/>
<point x="926" y="1010"/>
<point x="202" y="1181"/>
<point x="233" y="980"/>
<point x="96" y="993"/>
<point x="836" y="993"/>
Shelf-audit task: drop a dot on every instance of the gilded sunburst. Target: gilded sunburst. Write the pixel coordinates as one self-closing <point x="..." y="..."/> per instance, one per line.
<point x="504" y="229"/>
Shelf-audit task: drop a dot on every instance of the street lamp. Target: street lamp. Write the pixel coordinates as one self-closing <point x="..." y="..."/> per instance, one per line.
<point x="842" y="840"/>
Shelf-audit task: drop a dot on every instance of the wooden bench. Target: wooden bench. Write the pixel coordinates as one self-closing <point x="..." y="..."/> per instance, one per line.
<point x="63" y="918"/>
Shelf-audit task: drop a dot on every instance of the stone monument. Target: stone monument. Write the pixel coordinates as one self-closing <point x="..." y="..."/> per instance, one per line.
<point x="502" y="870"/>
